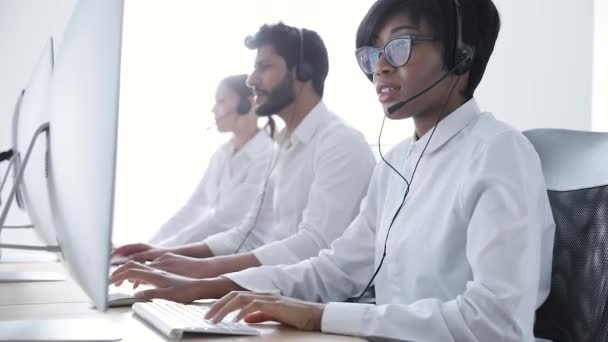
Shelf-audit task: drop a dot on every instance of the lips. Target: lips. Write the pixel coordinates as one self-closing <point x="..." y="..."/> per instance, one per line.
<point x="259" y="95"/>
<point x="387" y="92"/>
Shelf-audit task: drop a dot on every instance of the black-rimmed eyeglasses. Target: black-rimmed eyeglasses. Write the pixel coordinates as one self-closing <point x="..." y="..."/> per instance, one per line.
<point x="396" y="52"/>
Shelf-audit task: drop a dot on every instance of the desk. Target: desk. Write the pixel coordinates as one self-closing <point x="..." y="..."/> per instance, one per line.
<point x="64" y="299"/>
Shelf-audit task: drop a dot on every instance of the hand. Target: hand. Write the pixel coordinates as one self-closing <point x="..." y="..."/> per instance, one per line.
<point x="168" y="286"/>
<point x="260" y="307"/>
<point x="186" y="266"/>
<point x="140" y="252"/>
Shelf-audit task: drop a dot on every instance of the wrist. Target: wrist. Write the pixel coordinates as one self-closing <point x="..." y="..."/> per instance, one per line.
<point x="208" y="268"/>
<point x="216" y="288"/>
<point x="317" y="318"/>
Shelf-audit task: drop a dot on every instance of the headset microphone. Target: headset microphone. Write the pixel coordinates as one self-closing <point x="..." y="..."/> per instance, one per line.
<point x="392" y="109"/>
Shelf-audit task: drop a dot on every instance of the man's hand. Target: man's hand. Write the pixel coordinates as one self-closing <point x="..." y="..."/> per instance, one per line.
<point x="139" y="252"/>
<point x="187" y="266"/>
<point x="260" y="307"/>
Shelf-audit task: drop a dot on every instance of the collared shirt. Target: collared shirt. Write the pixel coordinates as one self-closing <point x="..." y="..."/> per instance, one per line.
<point x="468" y="257"/>
<point x="314" y="192"/>
<point x="224" y="196"/>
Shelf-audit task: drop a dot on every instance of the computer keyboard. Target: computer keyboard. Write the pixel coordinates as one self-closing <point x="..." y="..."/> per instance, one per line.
<point x="174" y="319"/>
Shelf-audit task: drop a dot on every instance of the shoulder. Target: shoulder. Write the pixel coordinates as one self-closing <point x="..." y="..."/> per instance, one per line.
<point x="491" y="136"/>
<point x="336" y="132"/>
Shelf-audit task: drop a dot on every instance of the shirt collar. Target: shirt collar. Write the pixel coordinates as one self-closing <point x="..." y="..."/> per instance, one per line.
<point x="311" y="123"/>
<point x="449" y="126"/>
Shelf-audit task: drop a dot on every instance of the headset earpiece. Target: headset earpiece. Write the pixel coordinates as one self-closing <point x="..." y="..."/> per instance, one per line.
<point x="464" y="54"/>
<point x="244" y="106"/>
<point x="303" y="69"/>
<point x="464" y="60"/>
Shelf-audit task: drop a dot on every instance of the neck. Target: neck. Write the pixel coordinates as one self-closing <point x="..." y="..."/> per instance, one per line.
<point x="424" y="122"/>
<point x="242" y="136"/>
<point x="295" y="113"/>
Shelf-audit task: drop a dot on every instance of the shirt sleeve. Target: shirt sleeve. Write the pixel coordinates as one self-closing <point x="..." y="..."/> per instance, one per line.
<point x="335" y="274"/>
<point x="229" y="212"/>
<point x="505" y="197"/>
<point x="196" y="206"/>
<point x="342" y="170"/>
<point x="252" y="229"/>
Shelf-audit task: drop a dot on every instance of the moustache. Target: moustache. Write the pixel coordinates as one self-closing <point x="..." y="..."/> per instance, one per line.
<point x="261" y="92"/>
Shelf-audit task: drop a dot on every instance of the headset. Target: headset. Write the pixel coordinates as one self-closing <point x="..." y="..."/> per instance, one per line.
<point x="465" y="53"/>
<point x="304" y="71"/>
<point x="463" y="59"/>
<point x="244" y="105"/>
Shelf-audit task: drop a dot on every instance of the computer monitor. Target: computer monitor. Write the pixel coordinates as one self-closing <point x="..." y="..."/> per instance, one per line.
<point x="30" y="150"/>
<point x="83" y="135"/>
<point x="82" y="131"/>
<point x="31" y="115"/>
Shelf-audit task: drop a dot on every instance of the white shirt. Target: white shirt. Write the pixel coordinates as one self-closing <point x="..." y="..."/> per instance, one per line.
<point x="314" y="192"/>
<point x="226" y="193"/>
<point x="469" y="255"/>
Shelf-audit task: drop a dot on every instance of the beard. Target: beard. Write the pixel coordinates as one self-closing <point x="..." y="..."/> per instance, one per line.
<point x="278" y="98"/>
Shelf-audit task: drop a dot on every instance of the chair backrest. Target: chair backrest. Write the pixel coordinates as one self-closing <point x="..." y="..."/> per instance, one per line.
<point x="575" y="165"/>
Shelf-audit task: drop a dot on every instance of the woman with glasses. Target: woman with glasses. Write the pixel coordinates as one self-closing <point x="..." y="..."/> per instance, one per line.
<point x="455" y="233"/>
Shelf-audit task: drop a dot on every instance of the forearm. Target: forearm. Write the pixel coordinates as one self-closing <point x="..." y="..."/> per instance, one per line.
<point x="195" y="250"/>
<point x="215" y="288"/>
<point x="235" y="263"/>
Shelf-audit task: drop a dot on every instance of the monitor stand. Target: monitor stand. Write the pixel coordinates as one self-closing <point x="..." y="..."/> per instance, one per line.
<point x="25" y="276"/>
<point x="80" y="329"/>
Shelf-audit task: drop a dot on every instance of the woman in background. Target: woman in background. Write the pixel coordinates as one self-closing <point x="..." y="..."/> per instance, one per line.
<point x="235" y="176"/>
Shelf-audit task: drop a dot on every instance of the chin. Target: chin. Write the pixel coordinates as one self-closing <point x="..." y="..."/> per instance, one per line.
<point x="401" y="114"/>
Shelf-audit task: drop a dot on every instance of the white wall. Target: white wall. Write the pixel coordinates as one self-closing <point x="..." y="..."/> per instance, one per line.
<point x="25" y="26"/>
<point x="540" y="74"/>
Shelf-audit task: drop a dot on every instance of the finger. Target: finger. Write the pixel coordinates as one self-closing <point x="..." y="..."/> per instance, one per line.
<point x="258" y="305"/>
<point x="219" y="304"/>
<point x="127" y="250"/>
<point x="144" y="256"/>
<point x="129" y="266"/>
<point x="259" y="317"/>
<point x="238" y="302"/>
<point x="138" y="274"/>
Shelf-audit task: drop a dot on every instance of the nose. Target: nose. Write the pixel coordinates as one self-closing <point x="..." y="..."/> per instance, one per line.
<point x="382" y="67"/>
<point x="253" y="80"/>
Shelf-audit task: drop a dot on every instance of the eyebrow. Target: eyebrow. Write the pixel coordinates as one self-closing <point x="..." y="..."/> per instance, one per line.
<point x="403" y="27"/>
<point x="375" y="37"/>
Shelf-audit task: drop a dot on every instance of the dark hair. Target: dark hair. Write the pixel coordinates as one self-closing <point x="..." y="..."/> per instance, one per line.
<point x="238" y="83"/>
<point x="480" y="27"/>
<point x="286" y="42"/>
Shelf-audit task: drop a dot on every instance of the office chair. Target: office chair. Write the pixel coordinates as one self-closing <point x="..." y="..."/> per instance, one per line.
<point x="575" y="165"/>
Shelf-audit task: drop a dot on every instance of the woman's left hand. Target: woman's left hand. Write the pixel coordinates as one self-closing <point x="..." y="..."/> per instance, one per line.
<point x="261" y="307"/>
